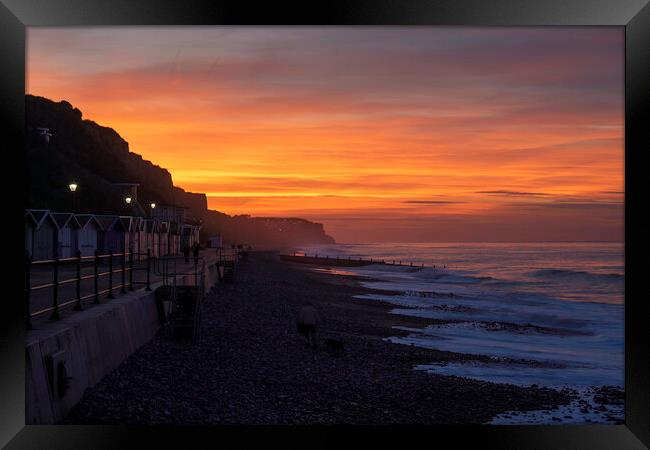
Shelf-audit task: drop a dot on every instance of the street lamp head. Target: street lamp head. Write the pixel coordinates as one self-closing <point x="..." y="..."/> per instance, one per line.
<point x="127" y="200"/>
<point x="73" y="187"/>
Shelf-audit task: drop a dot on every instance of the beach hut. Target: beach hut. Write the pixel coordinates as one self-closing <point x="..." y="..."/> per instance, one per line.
<point x="190" y="235"/>
<point x="151" y="236"/>
<point x="196" y="230"/>
<point x="155" y="240"/>
<point x="171" y="213"/>
<point x="127" y="226"/>
<point x="186" y="236"/>
<point x="30" y="229"/>
<point x="163" y="238"/>
<point x="88" y="234"/>
<point x="174" y="216"/>
<point x="45" y="236"/>
<point x="112" y="237"/>
<point x="215" y="241"/>
<point x="142" y="238"/>
<point x="134" y="234"/>
<point x="175" y="230"/>
<point x="67" y="234"/>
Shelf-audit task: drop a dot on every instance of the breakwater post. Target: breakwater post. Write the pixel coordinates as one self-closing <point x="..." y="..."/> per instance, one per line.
<point x="343" y="262"/>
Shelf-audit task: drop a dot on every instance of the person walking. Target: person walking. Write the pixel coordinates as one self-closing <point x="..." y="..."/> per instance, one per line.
<point x="308" y="319"/>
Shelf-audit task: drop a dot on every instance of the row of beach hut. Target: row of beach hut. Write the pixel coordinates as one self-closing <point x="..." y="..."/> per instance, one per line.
<point x="48" y="233"/>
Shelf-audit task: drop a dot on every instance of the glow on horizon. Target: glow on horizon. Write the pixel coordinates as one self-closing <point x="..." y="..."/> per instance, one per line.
<point x="380" y="133"/>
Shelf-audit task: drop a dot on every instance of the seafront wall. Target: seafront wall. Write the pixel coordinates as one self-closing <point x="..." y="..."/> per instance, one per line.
<point x="90" y="344"/>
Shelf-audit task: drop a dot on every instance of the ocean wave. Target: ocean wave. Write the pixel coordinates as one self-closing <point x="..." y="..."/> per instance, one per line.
<point x="578" y="274"/>
<point x="450" y="277"/>
<point x="430" y="294"/>
<point x="505" y="283"/>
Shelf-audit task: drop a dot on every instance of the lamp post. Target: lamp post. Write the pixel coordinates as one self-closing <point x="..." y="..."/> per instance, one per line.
<point x="130" y="237"/>
<point x="150" y="235"/>
<point x="73" y="188"/>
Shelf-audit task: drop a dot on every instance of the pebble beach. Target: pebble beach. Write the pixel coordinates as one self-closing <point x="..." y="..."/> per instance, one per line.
<point x="251" y="366"/>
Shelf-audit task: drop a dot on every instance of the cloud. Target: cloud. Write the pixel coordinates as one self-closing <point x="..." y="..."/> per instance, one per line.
<point x="433" y="202"/>
<point x="515" y="193"/>
<point x="587" y="205"/>
<point x="570" y="204"/>
<point x="351" y="122"/>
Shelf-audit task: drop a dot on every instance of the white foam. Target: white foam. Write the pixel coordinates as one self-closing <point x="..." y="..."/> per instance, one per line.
<point x="574" y="413"/>
<point x="565" y="300"/>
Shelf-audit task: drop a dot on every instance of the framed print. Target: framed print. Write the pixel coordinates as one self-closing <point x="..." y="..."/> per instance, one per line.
<point x="351" y="224"/>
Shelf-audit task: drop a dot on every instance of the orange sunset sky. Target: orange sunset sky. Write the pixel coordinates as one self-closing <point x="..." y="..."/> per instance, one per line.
<point x="380" y="133"/>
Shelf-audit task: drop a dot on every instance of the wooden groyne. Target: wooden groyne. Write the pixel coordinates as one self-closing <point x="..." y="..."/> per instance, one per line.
<point x="347" y="261"/>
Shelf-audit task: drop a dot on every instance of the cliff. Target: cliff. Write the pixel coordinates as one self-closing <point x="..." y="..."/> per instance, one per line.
<point x="95" y="156"/>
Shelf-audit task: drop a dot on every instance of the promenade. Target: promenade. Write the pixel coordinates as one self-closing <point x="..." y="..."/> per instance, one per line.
<point x="41" y="300"/>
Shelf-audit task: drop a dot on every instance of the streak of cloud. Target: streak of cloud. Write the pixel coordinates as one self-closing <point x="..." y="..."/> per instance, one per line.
<point x="514" y="193"/>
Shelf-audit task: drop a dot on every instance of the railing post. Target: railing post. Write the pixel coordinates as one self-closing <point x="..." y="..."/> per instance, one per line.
<point x="148" y="288"/>
<point x="96" y="277"/>
<point x="55" y="289"/>
<point x="123" y="290"/>
<point x="110" y="276"/>
<point x="77" y="306"/>
<point x="28" y="288"/>
<point x="130" y="268"/>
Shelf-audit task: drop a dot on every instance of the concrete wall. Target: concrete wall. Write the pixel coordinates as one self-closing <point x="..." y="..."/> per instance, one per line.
<point x="92" y="343"/>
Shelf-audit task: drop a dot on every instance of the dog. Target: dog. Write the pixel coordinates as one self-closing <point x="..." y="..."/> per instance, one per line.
<point x="335" y="345"/>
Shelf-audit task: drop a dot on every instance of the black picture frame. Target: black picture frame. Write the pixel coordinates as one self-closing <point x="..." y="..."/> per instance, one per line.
<point x="634" y="15"/>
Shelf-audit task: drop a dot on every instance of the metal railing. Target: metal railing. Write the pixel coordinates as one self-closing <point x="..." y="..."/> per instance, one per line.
<point x="125" y="266"/>
<point x="228" y="255"/>
<point x="170" y="268"/>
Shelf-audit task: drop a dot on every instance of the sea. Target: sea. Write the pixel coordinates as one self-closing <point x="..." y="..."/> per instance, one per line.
<point x="547" y="314"/>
